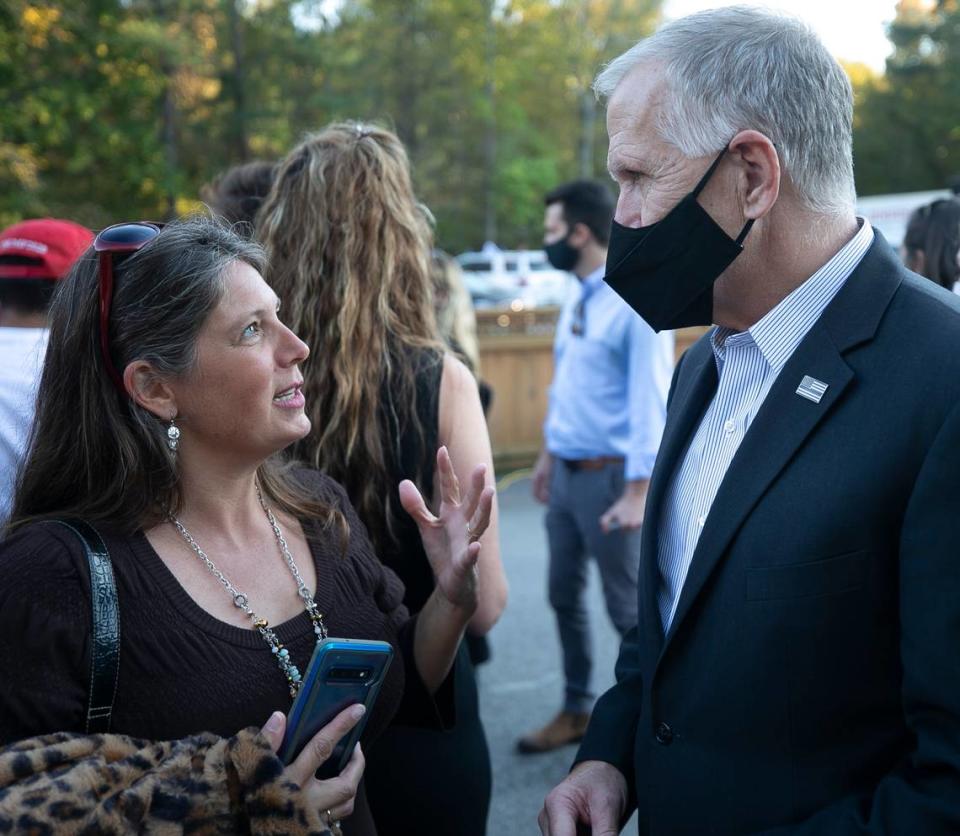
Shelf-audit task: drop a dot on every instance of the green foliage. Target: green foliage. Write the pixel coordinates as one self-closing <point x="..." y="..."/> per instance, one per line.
<point x="907" y="129"/>
<point x="118" y="109"/>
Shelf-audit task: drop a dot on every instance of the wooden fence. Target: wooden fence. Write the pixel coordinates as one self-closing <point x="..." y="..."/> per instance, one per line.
<point x="516" y="359"/>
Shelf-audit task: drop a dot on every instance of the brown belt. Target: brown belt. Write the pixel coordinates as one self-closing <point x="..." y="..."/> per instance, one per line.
<point x="598" y="463"/>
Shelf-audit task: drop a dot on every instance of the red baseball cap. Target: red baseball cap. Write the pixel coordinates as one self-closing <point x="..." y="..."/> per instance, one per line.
<point x="55" y="245"/>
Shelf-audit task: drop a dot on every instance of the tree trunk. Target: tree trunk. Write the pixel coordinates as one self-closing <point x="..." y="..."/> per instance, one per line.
<point x="239" y="83"/>
<point x="588" y="119"/>
<point x="169" y="133"/>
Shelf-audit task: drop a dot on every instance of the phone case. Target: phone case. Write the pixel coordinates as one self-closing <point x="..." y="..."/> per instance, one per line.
<point x="342" y="672"/>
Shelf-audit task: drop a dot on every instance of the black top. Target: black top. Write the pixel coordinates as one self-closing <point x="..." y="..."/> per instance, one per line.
<point x="412" y="455"/>
<point x="182" y="671"/>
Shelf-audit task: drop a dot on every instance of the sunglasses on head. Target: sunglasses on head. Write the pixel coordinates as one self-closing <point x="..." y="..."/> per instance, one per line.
<point x="119" y="239"/>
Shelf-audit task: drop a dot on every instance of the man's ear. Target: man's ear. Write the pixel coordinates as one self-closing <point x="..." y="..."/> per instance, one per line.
<point x="760" y="164"/>
<point x="579" y="236"/>
<point x="149" y="390"/>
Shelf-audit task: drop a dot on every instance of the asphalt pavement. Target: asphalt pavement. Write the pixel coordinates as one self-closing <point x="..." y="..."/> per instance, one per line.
<point x="522" y="686"/>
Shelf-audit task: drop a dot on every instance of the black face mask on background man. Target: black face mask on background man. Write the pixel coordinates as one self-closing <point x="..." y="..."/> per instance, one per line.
<point x="561" y="255"/>
<point x="665" y="271"/>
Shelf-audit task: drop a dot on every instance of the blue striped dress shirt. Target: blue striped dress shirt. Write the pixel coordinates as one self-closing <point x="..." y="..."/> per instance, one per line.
<point x="748" y="363"/>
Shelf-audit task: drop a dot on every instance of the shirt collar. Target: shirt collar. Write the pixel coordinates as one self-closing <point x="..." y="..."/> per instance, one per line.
<point x="595" y="279"/>
<point x="782" y="329"/>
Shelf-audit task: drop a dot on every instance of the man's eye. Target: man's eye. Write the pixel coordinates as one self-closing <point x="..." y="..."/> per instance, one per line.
<point x="251" y="330"/>
<point x="625" y="175"/>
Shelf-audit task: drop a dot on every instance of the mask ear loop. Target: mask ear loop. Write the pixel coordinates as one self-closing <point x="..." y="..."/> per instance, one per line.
<point x="703" y="182"/>
<point x="743" y="232"/>
<point x="706" y="177"/>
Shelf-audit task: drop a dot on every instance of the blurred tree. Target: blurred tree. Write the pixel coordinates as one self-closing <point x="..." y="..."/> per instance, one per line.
<point x="550" y="126"/>
<point x="907" y="128"/>
<point x="122" y="108"/>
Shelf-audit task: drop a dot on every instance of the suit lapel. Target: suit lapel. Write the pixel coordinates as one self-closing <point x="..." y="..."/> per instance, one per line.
<point x="786" y="419"/>
<point x="694" y="390"/>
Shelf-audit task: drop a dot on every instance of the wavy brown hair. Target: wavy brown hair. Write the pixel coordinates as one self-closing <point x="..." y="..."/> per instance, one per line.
<point x="349" y="255"/>
<point x="96" y="454"/>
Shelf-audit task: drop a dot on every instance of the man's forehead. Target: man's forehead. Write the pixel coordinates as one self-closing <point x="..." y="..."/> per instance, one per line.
<point x="554" y="212"/>
<point x="637" y="100"/>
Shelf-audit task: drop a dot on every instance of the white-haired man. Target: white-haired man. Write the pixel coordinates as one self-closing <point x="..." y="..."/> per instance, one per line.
<point x="795" y="669"/>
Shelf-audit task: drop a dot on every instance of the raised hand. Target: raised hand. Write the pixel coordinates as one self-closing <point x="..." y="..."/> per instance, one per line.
<point x="450" y="538"/>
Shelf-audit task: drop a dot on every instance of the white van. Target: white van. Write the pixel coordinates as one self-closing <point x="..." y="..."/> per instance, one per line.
<point x="517" y="279"/>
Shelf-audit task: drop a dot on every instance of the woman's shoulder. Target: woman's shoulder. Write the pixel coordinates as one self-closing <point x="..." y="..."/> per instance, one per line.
<point x="43" y="567"/>
<point x="49" y="546"/>
<point x="459" y="406"/>
<point x="456" y="376"/>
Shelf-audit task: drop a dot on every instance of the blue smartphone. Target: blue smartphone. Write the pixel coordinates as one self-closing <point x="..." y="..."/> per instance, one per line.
<point x="342" y="672"/>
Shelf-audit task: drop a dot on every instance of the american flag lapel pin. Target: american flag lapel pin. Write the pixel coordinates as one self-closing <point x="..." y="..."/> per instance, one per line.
<point x="811" y="388"/>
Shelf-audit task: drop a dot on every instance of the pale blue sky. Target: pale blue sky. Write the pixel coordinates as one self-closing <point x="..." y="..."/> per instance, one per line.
<point x="853" y="30"/>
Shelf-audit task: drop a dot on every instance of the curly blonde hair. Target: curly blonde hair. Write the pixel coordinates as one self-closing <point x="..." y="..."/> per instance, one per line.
<point x="348" y="248"/>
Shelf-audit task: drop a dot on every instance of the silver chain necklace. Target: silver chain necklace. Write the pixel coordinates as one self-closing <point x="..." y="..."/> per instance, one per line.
<point x="241" y="601"/>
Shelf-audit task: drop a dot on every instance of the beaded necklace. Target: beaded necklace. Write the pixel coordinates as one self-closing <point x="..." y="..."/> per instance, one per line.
<point x="241" y="601"/>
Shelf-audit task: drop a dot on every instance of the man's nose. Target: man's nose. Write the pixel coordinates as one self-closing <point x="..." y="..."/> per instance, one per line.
<point x="628" y="210"/>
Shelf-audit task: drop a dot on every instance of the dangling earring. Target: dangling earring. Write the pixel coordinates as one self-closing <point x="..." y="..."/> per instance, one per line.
<point x="173" y="436"/>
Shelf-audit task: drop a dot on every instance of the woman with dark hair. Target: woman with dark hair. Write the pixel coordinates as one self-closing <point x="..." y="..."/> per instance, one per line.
<point x="914" y="239"/>
<point x="942" y="245"/>
<point x="349" y="248"/>
<point x="931" y="244"/>
<point x="168" y="387"/>
<point x="237" y="193"/>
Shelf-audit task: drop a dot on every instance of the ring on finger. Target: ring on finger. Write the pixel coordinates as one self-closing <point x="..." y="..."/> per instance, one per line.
<point x="471" y="534"/>
<point x="332" y="825"/>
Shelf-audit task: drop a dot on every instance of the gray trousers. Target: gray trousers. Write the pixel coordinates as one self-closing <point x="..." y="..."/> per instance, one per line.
<point x="578" y="498"/>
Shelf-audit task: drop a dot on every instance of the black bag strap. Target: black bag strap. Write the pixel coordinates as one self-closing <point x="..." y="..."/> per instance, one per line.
<point x="105" y="643"/>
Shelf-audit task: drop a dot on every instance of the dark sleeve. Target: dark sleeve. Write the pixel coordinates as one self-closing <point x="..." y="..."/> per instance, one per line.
<point x="922" y="795"/>
<point x="613" y="723"/>
<point x="45" y="622"/>
<point x="116" y="784"/>
<point x="417" y="707"/>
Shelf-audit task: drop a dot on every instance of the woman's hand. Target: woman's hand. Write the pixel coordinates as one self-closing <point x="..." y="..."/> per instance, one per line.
<point x="334" y="798"/>
<point x="450" y="539"/>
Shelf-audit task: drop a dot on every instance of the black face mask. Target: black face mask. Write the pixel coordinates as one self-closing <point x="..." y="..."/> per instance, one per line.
<point x="665" y="271"/>
<point x="561" y="255"/>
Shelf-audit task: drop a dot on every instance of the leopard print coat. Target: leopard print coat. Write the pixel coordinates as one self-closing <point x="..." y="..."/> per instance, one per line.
<point x="109" y="784"/>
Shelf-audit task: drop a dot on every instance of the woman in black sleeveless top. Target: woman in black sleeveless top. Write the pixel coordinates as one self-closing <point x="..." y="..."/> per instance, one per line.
<point x="349" y="254"/>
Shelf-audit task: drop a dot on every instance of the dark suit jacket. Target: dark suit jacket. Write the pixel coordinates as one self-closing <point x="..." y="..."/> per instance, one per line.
<point x="810" y="680"/>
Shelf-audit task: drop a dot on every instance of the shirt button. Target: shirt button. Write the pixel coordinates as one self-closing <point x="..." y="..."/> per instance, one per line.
<point x="701" y="520"/>
<point x="729" y="426"/>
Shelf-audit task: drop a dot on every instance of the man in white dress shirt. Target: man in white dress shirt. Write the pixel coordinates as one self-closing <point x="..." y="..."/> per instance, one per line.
<point x="34" y="255"/>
